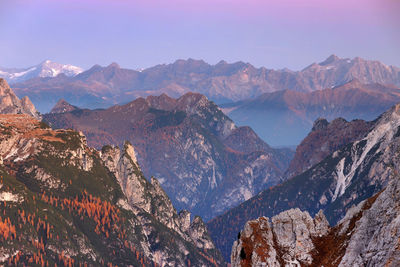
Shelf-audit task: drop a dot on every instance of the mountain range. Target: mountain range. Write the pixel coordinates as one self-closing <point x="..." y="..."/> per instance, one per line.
<point x="202" y="159"/>
<point x="66" y="204"/>
<point x="70" y="199"/>
<point x="222" y="82"/>
<point x="352" y="173"/>
<point x="43" y="70"/>
<point x="285" y="117"/>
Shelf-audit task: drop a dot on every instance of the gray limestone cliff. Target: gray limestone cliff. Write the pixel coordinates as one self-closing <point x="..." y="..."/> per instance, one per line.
<point x="150" y="196"/>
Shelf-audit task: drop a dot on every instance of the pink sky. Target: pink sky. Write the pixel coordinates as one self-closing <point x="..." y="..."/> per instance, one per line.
<point x="274" y="33"/>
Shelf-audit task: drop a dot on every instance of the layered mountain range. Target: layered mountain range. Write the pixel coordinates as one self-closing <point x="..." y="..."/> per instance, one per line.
<point x="45" y="69"/>
<point x="202" y="159"/>
<point x="223" y="82"/>
<point x="66" y="204"/>
<point x="284" y="118"/>
<point x="344" y="178"/>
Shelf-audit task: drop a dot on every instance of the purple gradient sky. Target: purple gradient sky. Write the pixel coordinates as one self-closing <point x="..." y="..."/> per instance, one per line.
<point x="274" y="33"/>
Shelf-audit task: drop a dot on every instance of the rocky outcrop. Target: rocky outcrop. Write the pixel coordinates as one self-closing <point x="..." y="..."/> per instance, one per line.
<point x="151" y="197"/>
<point x="367" y="236"/>
<point x="212" y="163"/>
<point x="199" y="234"/>
<point x="11" y="104"/>
<point x="286" y="240"/>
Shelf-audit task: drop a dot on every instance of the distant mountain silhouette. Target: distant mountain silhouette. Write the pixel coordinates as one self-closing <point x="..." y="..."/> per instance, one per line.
<point x="285" y="117"/>
<point x="222" y="83"/>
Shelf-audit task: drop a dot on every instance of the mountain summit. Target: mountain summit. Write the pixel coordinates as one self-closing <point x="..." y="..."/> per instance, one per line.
<point x="45" y="69"/>
<point x="63" y="106"/>
<point x="10" y="103"/>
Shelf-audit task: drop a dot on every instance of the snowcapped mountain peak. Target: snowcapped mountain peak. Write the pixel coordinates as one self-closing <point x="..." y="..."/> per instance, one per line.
<point x="51" y="69"/>
<point x="47" y="68"/>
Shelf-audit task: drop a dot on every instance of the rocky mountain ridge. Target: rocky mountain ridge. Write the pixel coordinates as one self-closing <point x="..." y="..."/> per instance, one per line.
<point x="344" y="178"/>
<point x="151" y="197"/>
<point x="63" y="106"/>
<point x="63" y="204"/>
<point x="213" y="164"/>
<point x="285" y="117"/>
<point x="324" y="139"/>
<point x="101" y="87"/>
<point x="367" y="236"/>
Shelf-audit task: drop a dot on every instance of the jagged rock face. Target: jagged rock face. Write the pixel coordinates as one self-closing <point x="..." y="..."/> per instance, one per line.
<point x="60" y="201"/>
<point x="223" y="82"/>
<point x="344" y="178"/>
<point x="375" y="240"/>
<point x="199" y="234"/>
<point x="286" y="240"/>
<point x="367" y="236"/>
<point x="212" y="163"/>
<point x="286" y="117"/>
<point x="324" y="139"/>
<point x="124" y="166"/>
<point x="10" y="103"/>
<point x="151" y="197"/>
<point x="320" y="124"/>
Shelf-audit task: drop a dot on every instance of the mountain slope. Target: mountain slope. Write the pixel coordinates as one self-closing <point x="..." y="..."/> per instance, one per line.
<point x="63" y="204"/>
<point x="345" y="177"/>
<point x="367" y="236"/>
<point x="10" y="103"/>
<point x="45" y="69"/>
<point x="101" y="87"/>
<point x="324" y="139"/>
<point x="284" y="118"/>
<point x="204" y="162"/>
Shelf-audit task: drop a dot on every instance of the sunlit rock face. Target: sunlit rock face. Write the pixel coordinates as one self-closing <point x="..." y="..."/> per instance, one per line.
<point x="11" y="104"/>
